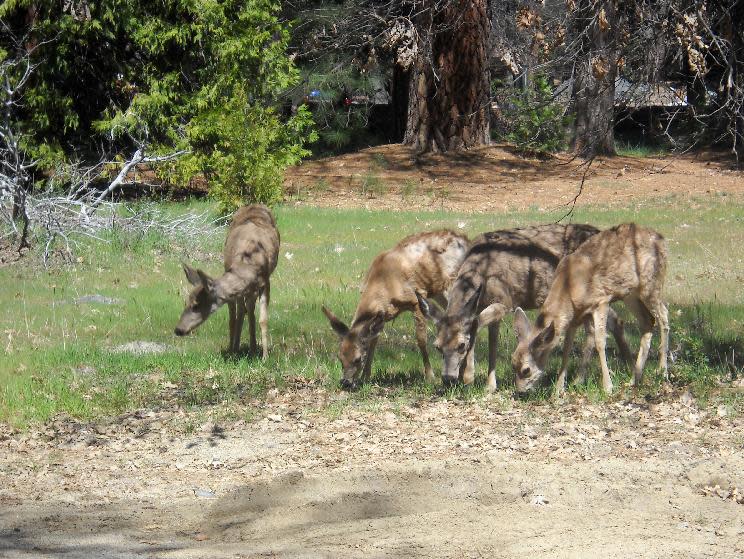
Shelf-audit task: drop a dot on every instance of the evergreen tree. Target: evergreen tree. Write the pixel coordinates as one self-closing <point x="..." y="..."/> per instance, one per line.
<point x="194" y="75"/>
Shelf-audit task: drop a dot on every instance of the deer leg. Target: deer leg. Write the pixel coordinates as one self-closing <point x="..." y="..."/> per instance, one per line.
<point x="645" y="325"/>
<point x="367" y="371"/>
<point x="420" y="324"/>
<point x="616" y="325"/>
<point x="251" y="306"/>
<point x="662" y="316"/>
<point x="600" y="338"/>
<point x="586" y="353"/>
<point x="263" y="320"/>
<point x="239" y="316"/>
<point x="231" y="310"/>
<point x="493" y="348"/>
<point x="560" y="384"/>
<point x="468" y="373"/>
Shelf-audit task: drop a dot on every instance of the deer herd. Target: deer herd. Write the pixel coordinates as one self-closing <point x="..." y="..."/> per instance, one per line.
<point x="570" y="274"/>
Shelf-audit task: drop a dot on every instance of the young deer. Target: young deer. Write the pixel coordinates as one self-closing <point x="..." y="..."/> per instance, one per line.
<point x="627" y="263"/>
<point x="426" y="263"/>
<point x="503" y="270"/>
<point x="251" y="253"/>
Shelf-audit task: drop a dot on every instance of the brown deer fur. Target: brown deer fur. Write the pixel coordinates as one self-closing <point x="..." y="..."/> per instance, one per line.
<point x="423" y="263"/>
<point x="627" y="263"/>
<point x="503" y="270"/>
<point x="251" y="253"/>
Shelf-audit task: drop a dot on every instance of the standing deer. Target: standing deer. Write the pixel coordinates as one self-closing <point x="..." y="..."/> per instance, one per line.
<point x="627" y="263"/>
<point x="503" y="270"/>
<point x="425" y="263"/>
<point x="251" y="253"/>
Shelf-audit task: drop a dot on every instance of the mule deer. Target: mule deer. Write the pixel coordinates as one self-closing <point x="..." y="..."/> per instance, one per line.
<point x="425" y="263"/>
<point x="503" y="270"/>
<point x="627" y="263"/>
<point x="251" y="253"/>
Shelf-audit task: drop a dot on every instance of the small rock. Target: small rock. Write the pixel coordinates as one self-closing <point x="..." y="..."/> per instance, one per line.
<point x="276" y="418"/>
<point x="539" y="500"/>
<point x="204" y="493"/>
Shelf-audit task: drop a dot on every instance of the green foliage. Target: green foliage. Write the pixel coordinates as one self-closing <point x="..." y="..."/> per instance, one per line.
<point x="193" y="75"/>
<point x="341" y="127"/>
<point x="640" y="150"/>
<point x="250" y="148"/>
<point x="533" y="120"/>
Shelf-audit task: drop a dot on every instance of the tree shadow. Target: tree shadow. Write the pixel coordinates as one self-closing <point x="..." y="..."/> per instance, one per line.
<point x="101" y="530"/>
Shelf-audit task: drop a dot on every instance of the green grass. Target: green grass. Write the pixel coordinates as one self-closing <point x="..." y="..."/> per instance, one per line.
<point x="58" y="355"/>
<point x="628" y="149"/>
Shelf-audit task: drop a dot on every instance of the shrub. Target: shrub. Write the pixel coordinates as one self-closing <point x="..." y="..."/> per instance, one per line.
<point x="533" y="120"/>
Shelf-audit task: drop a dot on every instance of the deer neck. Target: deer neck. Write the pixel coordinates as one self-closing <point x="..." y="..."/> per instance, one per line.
<point x="560" y="312"/>
<point x="464" y="289"/>
<point x="231" y="285"/>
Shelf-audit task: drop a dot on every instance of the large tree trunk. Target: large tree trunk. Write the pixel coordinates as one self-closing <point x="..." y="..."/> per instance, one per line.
<point x="596" y="24"/>
<point x="448" y="101"/>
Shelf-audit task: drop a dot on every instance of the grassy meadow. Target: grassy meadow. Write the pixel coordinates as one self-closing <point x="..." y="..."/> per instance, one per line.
<point x="60" y="356"/>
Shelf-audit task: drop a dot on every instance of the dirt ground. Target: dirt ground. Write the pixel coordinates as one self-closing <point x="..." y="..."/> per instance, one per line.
<point x="496" y="178"/>
<point x="484" y="478"/>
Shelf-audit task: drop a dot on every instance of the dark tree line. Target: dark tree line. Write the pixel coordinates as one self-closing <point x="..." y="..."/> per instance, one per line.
<point x="109" y="71"/>
<point x="442" y="52"/>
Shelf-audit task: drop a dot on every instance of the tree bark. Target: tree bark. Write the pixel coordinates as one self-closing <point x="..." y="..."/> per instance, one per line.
<point x="448" y="99"/>
<point x="596" y="24"/>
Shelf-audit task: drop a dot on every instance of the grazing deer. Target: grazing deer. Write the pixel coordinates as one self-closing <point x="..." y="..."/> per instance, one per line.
<point x="627" y="263"/>
<point x="251" y="253"/>
<point x="422" y="263"/>
<point x="503" y="270"/>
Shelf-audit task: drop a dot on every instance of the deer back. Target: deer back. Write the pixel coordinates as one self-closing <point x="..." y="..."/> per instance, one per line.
<point x="426" y="263"/>
<point x="252" y="243"/>
<point x="608" y="267"/>
<point x="516" y="266"/>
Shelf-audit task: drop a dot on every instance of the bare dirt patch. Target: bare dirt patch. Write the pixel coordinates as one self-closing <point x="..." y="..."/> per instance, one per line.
<point x="487" y="478"/>
<point x="497" y="178"/>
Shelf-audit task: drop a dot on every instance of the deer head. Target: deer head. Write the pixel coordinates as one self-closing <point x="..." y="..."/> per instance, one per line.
<point x="203" y="300"/>
<point x="533" y="348"/>
<point x="354" y="344"/>
<point x="457" y="330"/>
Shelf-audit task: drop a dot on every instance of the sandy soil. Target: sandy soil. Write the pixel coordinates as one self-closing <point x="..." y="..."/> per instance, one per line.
<point x="487" y="478"/>
<point x="496" y="178"/>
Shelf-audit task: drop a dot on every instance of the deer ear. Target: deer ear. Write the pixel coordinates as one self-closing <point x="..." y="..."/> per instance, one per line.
<point x="191" y="274"/>
<point x="472" y="303"/>
<point x="545" y="337"/>
<point x="521" y="324"/>
<point x="429" y="309"/>
<point x="375" y="327"/>
<point x="491" y="314"/>
<point x="205" y="280"/>
<point x="339" y="327"/>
